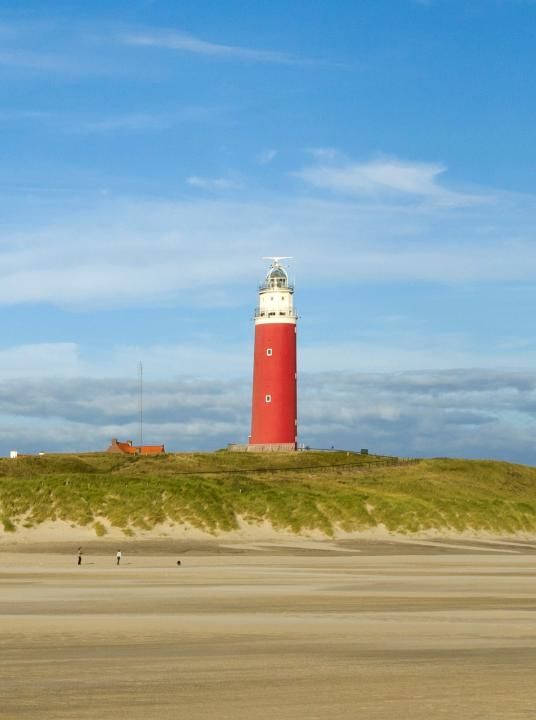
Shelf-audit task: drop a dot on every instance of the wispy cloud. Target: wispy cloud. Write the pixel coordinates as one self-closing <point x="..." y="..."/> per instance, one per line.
<point x="213" y="184"/>
<point x="125" y="123"/>
<point x="266" y="156"/>
<point x="132" y="122"/>
<point x="35" y="61"/>
<point x="382" y="176"/>
<point x="182" y="42"/>
<point x="141" y="122"/>
<point x="66" y="360"/>
<point x="62" y="48"/>
<point x="25" y="115"/>
<point x="160" y="245"/>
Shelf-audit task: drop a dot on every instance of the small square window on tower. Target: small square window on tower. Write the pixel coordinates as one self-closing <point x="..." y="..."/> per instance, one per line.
<point x="268" y="398"/>
<point x="269" y="352"/>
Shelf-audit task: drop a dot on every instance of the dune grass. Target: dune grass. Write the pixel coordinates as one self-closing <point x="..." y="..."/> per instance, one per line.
<point x="298" y="492"/>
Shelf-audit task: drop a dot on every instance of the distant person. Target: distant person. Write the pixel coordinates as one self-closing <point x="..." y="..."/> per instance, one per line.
<point x="118" y="556"/>
<point x="79" y="556"/>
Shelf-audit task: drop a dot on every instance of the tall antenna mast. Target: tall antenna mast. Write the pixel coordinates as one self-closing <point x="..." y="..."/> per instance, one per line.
<point x="140" y="399"/>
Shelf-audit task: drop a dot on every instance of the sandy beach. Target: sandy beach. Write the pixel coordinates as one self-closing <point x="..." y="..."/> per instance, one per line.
<point x="279" y="630"/>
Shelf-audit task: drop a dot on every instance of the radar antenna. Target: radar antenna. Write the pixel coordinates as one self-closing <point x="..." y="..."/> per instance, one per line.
<point x="277" y="258"/>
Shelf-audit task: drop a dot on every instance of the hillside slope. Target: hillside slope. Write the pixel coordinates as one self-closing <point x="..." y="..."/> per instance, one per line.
<point x="300" y="493"/>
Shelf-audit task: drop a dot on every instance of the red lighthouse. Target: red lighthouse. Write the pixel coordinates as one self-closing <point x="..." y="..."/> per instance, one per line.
<point x="274" y="423"/>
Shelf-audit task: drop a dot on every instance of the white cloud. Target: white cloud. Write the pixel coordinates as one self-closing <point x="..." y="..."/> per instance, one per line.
<point x="24" y="115"/>
<point x="183" y="42"/>
<point x="266" y="156"/>
<point x="128" y="122"/>
<point x="123" y="253"/>
<point x="201" y="356"/>
<point x="197" y="358"/>
<point x="34" y="61"/>
<point x="120" y="252"/>
<point x="40" y="360"/>
<point x="394" y="351"/>
<point x="383" y="176"/>
<point x="324" y="154"/>
<point x="212" y="184"/>
<point x="137" y="122"/>
<point x="76" y="50"/>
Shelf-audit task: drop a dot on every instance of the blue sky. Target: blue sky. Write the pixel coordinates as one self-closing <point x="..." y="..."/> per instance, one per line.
<point x="151" y="153"/>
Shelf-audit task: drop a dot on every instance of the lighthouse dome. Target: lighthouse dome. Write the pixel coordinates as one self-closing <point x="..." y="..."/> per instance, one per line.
<point x="276" y="278"/>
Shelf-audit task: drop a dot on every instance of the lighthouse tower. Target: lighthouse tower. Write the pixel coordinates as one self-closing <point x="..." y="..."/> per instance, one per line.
<point x="274" y="424"/>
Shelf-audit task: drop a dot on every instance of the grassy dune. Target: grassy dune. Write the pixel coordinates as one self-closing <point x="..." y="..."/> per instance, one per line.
<point x="298" y="492"/>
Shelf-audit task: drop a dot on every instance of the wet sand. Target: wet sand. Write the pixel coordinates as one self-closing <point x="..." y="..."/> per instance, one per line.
<point x="312" y="630"/>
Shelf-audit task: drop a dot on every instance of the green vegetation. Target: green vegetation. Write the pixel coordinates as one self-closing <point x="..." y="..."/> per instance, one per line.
<point x="299" y="492"/>
<point x="99" y="528"/>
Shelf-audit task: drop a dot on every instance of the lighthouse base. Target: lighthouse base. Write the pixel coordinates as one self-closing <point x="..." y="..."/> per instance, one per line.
<point x="262" y="447"/>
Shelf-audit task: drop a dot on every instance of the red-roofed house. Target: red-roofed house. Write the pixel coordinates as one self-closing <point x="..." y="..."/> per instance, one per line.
<point x="127" y="448"/>
<point x="150" y="449"/>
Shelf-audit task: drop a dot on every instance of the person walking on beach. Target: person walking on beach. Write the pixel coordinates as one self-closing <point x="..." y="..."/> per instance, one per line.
<point x="118" y="556"/>
<point x="79" y="556"/>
